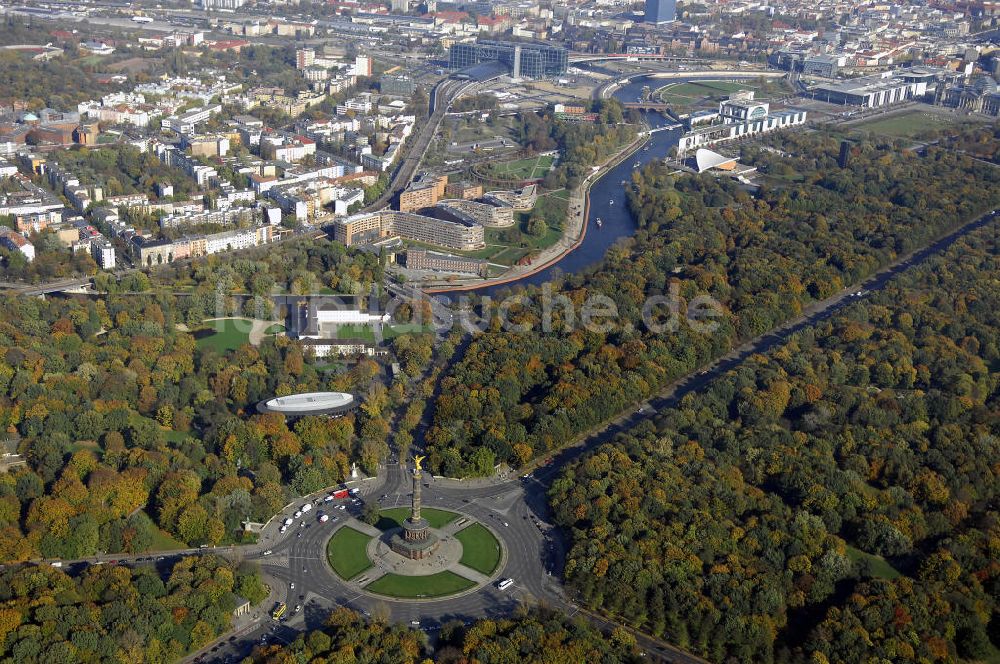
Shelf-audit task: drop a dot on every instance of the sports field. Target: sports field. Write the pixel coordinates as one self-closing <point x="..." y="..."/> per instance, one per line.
<point x="348" y="552"/>
<point x="480" y="549"/>
<point x="432" y="585"/>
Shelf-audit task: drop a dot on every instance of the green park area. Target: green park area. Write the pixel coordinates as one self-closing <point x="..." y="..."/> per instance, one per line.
<point x="906" y="125"/>
<point x="697" y="95"/>
<point x="432" y="585"/>
<point x="529" y="168"/>
<point x="223" y="335"/>
<point x="394" y="516"/>
<point x="877" y="565"/>
<point x="480" y="549"/>
<point x="347" y="552"/>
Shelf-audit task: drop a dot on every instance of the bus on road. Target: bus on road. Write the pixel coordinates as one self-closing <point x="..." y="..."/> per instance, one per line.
<point x="279" y="611"/>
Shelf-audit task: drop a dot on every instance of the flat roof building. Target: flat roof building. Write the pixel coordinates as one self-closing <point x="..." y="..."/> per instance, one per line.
<point x="309" y="403"/>
<point x="525" y="60"/>
<point x="870" y="91"/>
<point x="452" y="233"/>
<point x="660" y="11"/>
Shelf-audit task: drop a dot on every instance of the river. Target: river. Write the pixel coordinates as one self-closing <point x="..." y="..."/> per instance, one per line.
<point x="607" y="196"/>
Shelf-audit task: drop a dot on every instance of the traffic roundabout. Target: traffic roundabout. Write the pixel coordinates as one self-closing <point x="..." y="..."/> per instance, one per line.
<point x="464" y="556"/>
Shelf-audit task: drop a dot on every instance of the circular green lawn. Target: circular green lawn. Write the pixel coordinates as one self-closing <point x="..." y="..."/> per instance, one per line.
<point x="347" y="552"/>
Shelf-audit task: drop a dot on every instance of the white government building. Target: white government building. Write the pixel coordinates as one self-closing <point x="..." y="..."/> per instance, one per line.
<point x="738" y="117"/>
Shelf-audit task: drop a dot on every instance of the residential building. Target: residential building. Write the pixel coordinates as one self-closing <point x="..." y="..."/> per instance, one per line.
<point x="463" y="189"/>
<point x="103" y="253"/>
<point x="425" y="191"/>
<point x="422" y="259"/>
<point x="518" y="199"/>
<point x="495" y="216"/>
<point x="16" y="242"/>
<point x="186" y="122"/>
<point x="451" y="233"/>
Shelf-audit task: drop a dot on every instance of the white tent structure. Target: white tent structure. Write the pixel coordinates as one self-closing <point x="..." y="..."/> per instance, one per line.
<point x="707" y="159"/>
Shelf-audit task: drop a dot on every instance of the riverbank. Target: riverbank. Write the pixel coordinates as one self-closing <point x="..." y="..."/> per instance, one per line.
<point x="574" y="231"/>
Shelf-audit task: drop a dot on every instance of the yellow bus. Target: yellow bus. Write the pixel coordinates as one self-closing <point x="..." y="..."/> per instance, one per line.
<point x="279" y="611"/>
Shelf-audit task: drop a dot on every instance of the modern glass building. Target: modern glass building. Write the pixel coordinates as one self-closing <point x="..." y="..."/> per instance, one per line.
<point x="525" y="60"/>
<point x="661" y="11"/>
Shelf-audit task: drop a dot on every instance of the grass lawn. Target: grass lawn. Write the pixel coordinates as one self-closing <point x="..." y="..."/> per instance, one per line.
<point x="277" y="328"/>
<point x="531" y="168"/>
<point x="356" y="331"/>
<point x="348" y="552"/>
<point x="688" y="95"/>
<point x="880" y="566"/>
<point x="223" y="335"/>
<point x="176" y="436"/>
<point x="162" y="540"/>
<point x="480" y="549"/>
<point x="433" y="585"/>
<point x="906" y="125"/>
<point x="393" y="331"/>
<point x="394" y="516"/>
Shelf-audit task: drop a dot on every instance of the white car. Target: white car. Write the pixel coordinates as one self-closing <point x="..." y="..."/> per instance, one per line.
<point x="298" y="513"/>
<point x="324" y="518"/>
<point x="505" y="584"/>
<point x="283" y="529"/>
<point x="306" y="507"/>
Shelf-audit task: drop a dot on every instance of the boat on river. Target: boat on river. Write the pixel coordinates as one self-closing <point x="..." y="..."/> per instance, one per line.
<point x="599" y="222"/>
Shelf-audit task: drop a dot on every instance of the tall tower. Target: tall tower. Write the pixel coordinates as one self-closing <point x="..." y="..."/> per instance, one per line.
<point x="661" y="11"/>
<point x="517" y="61"/>
<point x="416" y="541"/>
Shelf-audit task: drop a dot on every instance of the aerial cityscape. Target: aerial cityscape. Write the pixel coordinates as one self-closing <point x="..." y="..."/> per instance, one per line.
<point x="412" y="331"/>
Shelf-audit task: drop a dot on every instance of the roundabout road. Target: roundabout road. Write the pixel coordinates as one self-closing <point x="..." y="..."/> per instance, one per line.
<point x="299" y="556"/>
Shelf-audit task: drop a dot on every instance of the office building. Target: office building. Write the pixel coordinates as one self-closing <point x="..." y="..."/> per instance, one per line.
<point x="735" y="129"/>
<point x="525" y="60"/>
<point x="661" y="11"/>
<point x="870" y="91"/>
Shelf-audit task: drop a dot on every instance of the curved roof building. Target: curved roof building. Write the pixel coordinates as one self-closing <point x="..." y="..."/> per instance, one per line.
<point x="707" y="159"/>
<point x="309" y="403"/>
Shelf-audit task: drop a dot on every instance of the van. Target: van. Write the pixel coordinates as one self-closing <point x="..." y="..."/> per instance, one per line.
<point x="505" y="584"/>
<point x="306" y="507"/>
